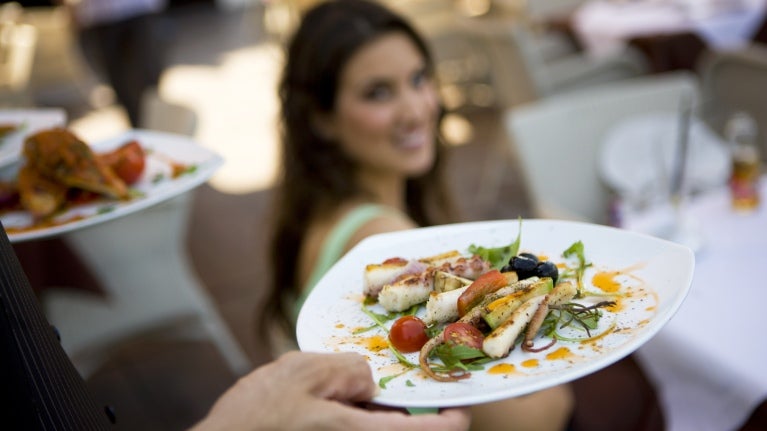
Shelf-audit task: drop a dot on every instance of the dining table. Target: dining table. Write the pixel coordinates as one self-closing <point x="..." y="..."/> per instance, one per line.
<point x="672" y="34"/>
<point x="708" y="362"/>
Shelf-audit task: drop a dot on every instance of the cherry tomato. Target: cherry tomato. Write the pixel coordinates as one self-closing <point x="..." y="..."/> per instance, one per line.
<point x="408" y="334"/>
<point x="126" y="161"/>
<point x="487" y="283"/>
<point x="460" y="333"/>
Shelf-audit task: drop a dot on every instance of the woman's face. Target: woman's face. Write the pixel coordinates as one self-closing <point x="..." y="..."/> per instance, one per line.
<point x="386" y="111"/>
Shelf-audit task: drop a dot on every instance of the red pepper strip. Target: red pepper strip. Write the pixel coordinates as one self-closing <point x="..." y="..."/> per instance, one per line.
<point x="487" y="283"/>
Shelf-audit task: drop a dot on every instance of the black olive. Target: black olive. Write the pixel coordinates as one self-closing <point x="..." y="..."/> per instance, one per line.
<point x="523" y="266"/>
<point x="547" y="269"/>
<point x="530" y="256"/>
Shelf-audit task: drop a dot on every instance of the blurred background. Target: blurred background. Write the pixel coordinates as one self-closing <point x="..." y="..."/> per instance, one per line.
<point x="508" y="70"/>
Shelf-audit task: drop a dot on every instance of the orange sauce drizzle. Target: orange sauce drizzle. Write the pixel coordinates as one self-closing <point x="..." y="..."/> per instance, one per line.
<point x="560" y="353"/>
<point x="376" y="343"/>
<point x="505" y="300"/>
<point x="530" y="363"/>
<point x="600" y="336"/>
<point x="502" y="369"/>
<point x="618" y="306"/>
<point x="178" y="169"/>
<point x="605" y="280"/>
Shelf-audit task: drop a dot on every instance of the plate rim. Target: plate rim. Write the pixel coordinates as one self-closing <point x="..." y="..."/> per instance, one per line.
<point x="57" y="117"/>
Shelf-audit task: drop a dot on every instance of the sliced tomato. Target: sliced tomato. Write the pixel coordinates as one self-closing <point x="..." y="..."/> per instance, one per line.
<point x="487" y="283"/>
<point x="126" y="161"/>
<point x="408" y="334"/>
<point x="463" y="334"/>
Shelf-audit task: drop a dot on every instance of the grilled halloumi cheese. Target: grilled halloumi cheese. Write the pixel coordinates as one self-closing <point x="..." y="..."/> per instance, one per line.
<point x="442" y="306"/>
<point x="501" y="340"/>
<point x="407" y="291"/>
<point x="380" y="274"/>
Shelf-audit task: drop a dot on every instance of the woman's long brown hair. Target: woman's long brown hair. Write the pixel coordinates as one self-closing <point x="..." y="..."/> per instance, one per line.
<point x="316" y="174"/>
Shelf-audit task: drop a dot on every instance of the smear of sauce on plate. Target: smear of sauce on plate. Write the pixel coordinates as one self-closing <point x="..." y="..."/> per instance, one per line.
<point x="530" y="363"/>
<point x="503" y="368"/>
<point x="560" y="354"/>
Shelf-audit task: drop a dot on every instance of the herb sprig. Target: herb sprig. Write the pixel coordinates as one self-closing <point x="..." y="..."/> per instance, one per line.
<point x="498" y="256"/>
<point x="585" y="317"/>
<point x="577" y="250"/>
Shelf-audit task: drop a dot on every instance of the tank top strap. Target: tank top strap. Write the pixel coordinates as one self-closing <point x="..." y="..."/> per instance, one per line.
<point x="336" y="241"/>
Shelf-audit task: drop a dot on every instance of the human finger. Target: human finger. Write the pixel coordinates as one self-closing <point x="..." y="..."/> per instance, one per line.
<point x="337" y="376"/>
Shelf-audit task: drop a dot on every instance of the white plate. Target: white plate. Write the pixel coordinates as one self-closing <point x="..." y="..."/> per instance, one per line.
<point x="31" y="121"/>
<point x="658" y="273"/>
<point x="156" y="184"/>
<point x="638" y="154"/>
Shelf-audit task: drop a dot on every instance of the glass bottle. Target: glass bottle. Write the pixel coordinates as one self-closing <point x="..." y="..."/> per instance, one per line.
<point x="741" y="134"/>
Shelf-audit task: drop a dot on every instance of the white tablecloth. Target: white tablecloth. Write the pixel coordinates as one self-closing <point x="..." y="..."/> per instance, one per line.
<point x="606" y="26"/>
<point x="710" y="362"/>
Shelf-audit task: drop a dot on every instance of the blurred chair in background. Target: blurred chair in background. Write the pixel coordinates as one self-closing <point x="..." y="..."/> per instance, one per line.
<point x="17" y="51"/>
<point x="59" y="76"/>
<point x="548" y="20"/>
<point x="734" y="81"/>
<point x="498" y="54"/>
<point x="558" y="140"/>
<point x="526" y="65"/>
<point x="142" y="262"/>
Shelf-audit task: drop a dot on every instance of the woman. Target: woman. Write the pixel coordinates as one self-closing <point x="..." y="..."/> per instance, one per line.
<point x="361" y="156"/>
<point x="356" y="145"/>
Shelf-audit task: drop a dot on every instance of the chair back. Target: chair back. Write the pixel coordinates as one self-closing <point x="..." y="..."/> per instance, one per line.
<point x="17" y="53"/>
<point x="558" y="140"/>
<point x="733" y="81"/>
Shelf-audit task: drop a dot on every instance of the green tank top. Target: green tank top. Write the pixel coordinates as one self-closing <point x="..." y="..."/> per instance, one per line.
<point x="333" y="247"/>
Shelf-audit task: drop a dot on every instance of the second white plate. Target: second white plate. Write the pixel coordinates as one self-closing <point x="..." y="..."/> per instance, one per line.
<point x="156" y="184"/>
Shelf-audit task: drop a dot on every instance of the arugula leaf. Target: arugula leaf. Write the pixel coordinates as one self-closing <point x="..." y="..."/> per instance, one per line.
<point x="498" y="256"/>
<point x="576" y="249"/>
<point x="453" y="356"/>
<point x="434" y="330"/>
<point x="384" y="380"/>
<point x="189" y="170"/>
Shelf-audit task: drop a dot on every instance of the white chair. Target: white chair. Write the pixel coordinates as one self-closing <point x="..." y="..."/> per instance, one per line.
<point x="60" y="75"/>
<point x="17" y="53"/>
<point x="557" y="140"/>
<point x="733" y="81"/>
<point x="141" y="261"/>
<point x="522" y="70"/>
